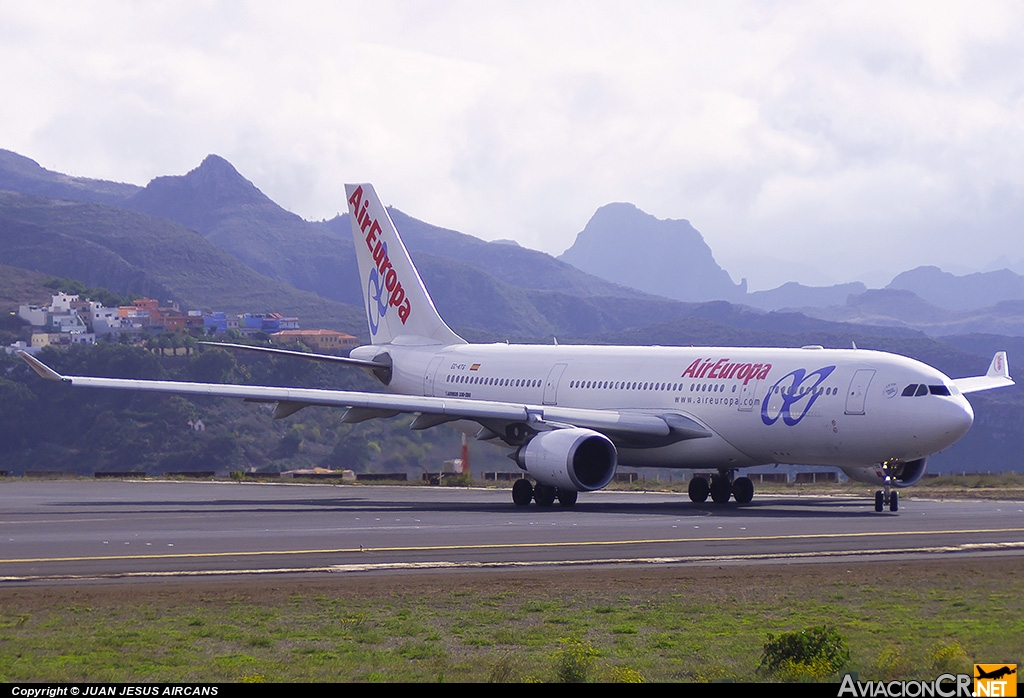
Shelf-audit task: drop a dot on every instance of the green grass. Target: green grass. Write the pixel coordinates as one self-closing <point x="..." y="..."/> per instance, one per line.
<point x="899" y="620"/>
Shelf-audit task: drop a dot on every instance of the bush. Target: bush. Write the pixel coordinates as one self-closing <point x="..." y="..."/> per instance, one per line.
<point x="950" y="659"/>
<point x="574" y="661"/>
<point x="811" y="654"/>
<point x="623" y="674"/>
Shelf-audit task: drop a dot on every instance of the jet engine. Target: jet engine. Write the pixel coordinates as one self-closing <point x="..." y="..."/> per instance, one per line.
<point x="903" y="473"/>
<point x="569" y="459"/>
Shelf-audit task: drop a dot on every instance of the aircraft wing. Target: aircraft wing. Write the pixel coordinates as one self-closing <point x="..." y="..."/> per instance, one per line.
<point x="998" y="376"/>
<point x="619" y="425"/>
<point x="330" y="358"/>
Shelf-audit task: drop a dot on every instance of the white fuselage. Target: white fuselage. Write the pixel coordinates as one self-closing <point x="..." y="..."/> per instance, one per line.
<point x="809" y="406"/>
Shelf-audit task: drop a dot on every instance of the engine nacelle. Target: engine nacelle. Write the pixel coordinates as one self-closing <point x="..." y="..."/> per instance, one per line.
<point x="569" y="459"/>
<point x="903" y="474"/>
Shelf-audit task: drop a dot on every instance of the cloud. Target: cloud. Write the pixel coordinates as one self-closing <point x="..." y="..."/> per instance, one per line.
<point x="829" y="141"/>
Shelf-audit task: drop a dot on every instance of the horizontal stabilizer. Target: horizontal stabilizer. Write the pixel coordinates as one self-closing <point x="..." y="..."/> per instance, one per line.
<point x="998" y="376"/>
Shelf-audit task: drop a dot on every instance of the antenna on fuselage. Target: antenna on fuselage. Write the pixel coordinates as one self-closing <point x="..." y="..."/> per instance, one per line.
<point x="854" y="344"/>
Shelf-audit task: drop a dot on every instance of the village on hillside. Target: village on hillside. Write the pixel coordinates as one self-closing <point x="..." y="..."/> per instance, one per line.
<point x="69" y="320"/>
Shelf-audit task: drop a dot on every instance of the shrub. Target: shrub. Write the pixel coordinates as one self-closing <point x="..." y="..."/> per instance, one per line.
<point x="574" y="661"/>
<point x="950" y="659"/>
<point x="810" y="654"/>
<point x="890" y="665"/>
<point x="623" y="674"/>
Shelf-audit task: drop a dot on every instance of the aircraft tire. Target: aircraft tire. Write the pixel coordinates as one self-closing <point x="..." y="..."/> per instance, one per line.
<point x="742" y="490"/>
<point x="879" y="500"/>
<point x="894" y="501"/>
<point x="721" y="490"/>
<point x="567" y="498"/>
<point x="522" y="492"/>
<point x="544" y="495"/>
<point x="698" y="489"/>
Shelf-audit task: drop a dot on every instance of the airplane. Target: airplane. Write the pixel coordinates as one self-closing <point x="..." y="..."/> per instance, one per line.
<point x="573" y="413"/>
<point x="995" y="673"/>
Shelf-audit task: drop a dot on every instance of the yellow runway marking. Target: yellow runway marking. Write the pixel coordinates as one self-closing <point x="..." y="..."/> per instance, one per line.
<point x="510" y="546"/>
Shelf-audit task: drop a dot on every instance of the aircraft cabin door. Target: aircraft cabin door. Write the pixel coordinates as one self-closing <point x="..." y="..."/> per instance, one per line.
<point x="428" y="376"/>
<point x="748" y="396"/>
<point x="551" y="384"/>
<point x="858" y="391"/>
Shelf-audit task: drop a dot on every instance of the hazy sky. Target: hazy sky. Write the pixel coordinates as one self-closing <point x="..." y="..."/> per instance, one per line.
<point x="818" y="141"/>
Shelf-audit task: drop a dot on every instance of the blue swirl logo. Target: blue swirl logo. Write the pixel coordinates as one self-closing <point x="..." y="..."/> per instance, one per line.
<point x="375" y="295"/>
<point x="792" y="400"/>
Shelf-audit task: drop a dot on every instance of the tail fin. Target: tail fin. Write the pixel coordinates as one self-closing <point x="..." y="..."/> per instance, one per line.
<point x="397" y="302"/>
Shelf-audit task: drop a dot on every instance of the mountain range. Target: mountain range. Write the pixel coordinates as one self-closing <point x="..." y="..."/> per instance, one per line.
<point x="610" y="259"/>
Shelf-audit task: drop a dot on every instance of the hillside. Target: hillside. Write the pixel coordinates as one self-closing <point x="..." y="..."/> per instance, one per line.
<point x="131" y="253"/>
<point x="19" y="173"/>
<point x="509" y="263"/>
<point x="20" y="287"/>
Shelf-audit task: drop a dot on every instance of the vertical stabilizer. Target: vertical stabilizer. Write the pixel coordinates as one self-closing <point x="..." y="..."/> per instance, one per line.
<point x="397" y="302"/>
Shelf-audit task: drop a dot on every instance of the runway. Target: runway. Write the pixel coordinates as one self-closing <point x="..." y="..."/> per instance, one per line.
<point x="56" y="531"/>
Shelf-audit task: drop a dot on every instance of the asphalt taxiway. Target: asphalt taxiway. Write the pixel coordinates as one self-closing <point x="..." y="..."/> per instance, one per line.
<point x="83" y="530"/>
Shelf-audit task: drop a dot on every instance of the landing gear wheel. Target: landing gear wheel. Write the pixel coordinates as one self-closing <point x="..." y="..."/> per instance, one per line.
<point x="567" y="498"/>
<point x="699" y="489"/>
<point x="544" y="495"/>
<point x="522" y="492"/>
<point x="887" y="495"/>
<point x="742" y="490"/>
<point x="721" y="489"/>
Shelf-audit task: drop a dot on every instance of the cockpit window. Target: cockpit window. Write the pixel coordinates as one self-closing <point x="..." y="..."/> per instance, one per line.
<point x="938" y="390"/>
<point x="910" y="390"/>
<point x="921" y="390"/>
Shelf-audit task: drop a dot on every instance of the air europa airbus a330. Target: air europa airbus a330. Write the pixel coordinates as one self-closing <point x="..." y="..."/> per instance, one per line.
<point x="574" y="413"/>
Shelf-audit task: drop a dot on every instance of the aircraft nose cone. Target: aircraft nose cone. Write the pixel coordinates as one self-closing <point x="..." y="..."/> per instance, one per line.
<point x="958" y="418"/>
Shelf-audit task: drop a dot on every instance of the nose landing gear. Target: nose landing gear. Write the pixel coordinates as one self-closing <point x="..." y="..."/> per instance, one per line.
<point x="887" y="496"/>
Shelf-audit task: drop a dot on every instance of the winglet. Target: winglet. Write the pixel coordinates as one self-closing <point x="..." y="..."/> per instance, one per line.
<point x="39" y="367"/>
<point x="999" y="368"/>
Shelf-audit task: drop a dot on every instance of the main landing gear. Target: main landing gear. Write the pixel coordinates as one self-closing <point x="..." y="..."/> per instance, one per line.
<point x="545" y="495"/>
<point x="721" y="488"/>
